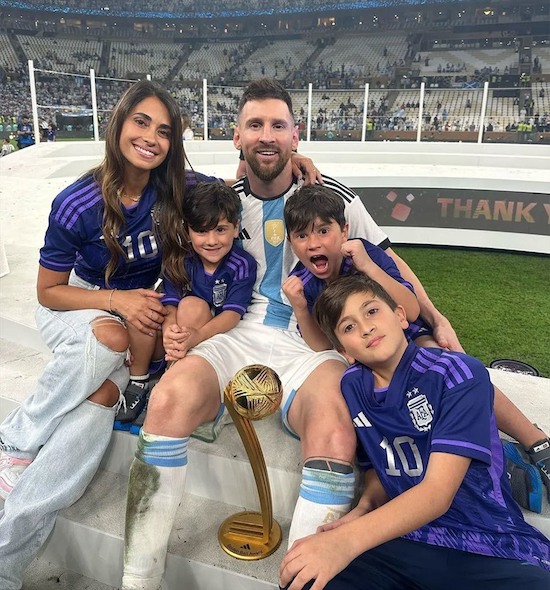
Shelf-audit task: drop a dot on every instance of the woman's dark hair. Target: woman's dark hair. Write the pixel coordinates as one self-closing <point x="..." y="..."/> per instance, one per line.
<point x="167" y="180"/>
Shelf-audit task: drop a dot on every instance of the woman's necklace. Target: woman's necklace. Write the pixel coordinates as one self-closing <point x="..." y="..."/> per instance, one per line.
<point x="121" y="195"/>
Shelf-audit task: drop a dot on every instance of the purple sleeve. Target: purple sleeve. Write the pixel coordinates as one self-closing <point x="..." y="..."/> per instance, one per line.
<point x="172" y="295"/>
<point x="386" y="263"/>
<point x="240" y="292"/>
<point x="463" y="426"/>
<point x="193" y="178"/>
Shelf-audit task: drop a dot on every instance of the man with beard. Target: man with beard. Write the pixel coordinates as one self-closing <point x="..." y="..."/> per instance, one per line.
<point x="191" y="392"/>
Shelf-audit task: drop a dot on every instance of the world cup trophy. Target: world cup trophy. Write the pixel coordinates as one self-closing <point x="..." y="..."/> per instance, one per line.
<point x="254" y="393"/>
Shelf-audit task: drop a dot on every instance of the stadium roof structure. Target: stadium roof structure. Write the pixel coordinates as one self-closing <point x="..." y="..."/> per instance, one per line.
<point x="129" y="9"/>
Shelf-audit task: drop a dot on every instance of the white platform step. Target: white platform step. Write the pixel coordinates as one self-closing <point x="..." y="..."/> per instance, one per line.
<point x="88" y="537"/>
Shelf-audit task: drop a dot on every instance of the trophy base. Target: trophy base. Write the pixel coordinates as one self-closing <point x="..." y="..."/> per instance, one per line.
<point x="241" y="536"/>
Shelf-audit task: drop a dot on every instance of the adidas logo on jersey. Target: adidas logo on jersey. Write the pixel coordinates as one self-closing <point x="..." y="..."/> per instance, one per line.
<point x="361" y="421"/>
<point x="243" y="234"/>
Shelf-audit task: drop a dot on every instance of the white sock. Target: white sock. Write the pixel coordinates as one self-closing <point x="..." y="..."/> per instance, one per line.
<point x="140" y="380"/>
<point x="155" y="489"/>
<point x="325" y="495"/>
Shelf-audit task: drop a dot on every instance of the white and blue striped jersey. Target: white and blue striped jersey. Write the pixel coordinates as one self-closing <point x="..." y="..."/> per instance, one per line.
<point x="263" y="234"/>
<point x="442" y="402"/>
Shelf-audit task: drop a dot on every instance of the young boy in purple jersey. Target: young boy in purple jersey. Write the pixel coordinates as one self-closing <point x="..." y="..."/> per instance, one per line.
<point x="220" y="275"/>
<point x="318" y="234"/>
<point x="436" y="510"/>
<point x="317" y="231"/>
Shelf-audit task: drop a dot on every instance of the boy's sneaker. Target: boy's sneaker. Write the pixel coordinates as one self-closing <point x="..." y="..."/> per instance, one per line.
<point x="135" y="398"/>
<point x="524" y="478"/>
<point x="11" y="469"/>
<point x="209" y="431"/>
<point x="136" y="425"/>
<point x="539" y="455"/>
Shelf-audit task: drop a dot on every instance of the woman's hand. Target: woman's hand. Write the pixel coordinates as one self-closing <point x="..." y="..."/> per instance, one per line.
<point x="140" y="307"/>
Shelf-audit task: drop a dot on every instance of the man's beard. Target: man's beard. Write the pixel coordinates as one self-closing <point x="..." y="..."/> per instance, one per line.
<point x="264" y="173"/>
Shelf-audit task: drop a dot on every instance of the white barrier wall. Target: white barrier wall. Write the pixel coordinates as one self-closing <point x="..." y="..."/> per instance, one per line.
<point x="474" y="195"/>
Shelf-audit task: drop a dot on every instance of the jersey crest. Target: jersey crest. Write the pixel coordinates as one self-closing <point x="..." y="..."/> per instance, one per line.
<point x="219" y="292"/>
<point x="274" y="232"/>
<point x="420" y="410"/>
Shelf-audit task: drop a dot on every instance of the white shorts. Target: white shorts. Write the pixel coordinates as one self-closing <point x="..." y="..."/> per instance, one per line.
<point x="283" y="351"/>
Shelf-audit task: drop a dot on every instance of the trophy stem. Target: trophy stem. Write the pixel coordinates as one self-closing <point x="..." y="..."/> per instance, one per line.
<point x="250" y="535"/>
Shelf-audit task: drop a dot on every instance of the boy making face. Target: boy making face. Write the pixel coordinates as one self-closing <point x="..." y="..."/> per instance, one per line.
<point x="318" y="234"/>
<point x="436" y="511"/>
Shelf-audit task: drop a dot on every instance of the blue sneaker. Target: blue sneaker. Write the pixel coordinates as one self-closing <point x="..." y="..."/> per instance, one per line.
<point x="539" y="455"/>
<point x="135" y="398"/>
<point x="137" y="424"/>
<point x="524" y="477"/>
<point x="209" y="431"/>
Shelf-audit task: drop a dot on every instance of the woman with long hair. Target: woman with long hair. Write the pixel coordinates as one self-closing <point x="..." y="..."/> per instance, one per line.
<point x="98" y="267"/>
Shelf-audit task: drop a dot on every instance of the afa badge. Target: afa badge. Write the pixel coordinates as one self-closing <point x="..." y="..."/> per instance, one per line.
<point x="421" y="412"/>
<point x="274" y="232"/>
<point x="219" y="292"/>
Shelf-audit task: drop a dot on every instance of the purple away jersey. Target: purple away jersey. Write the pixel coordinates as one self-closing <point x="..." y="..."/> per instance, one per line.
<point x="74" y="238"/>
<point x="441" y="401"/>
<point x="229" y="288"/>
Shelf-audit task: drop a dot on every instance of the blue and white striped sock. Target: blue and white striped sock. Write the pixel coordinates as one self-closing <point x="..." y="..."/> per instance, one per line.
<point x="162" y="451"/>
<point x="325" y="495"/>
<point x="155" y="490"/>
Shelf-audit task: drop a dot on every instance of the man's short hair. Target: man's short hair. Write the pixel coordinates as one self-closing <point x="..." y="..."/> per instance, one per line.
<point x="328" y="308"/>
<point x="311" y="202"/>
<point x="209" y="202"/>
<point x="263" y="89"/>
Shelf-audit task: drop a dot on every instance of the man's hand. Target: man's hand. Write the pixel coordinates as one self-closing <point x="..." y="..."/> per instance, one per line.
<point x="303" y="166"/>
<point x="445" y="335"/>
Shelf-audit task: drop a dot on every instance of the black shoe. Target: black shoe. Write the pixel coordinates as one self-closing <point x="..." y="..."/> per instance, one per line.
<point x="135" y="398"/>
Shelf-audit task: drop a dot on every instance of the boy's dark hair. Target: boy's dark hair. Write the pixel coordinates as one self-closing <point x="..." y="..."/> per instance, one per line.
<point x="266" y="88"/>
<point x="207" y="203"/>
<point x="310" y="202"/>
<point x="327" y="310"/>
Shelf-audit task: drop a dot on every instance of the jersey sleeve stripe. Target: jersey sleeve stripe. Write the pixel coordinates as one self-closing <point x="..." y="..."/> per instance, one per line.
<point x="343" y="191"/>
<point x="234" y="307"/>
<point x="457" y="362"/>
<point x="460" y="443"/>
<point x="239" y="265"/>
<point x="72" y="208"/>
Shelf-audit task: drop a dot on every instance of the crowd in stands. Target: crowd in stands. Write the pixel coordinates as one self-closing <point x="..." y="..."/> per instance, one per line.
<point x="322" y="61"/>
<point x="184" y="7"/>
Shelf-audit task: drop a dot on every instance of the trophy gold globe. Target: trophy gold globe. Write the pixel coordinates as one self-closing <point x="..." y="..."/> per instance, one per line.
<point x="254" y="393"/>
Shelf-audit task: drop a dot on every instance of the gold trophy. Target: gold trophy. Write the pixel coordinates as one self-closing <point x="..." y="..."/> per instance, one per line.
<point x="254" y="393"/>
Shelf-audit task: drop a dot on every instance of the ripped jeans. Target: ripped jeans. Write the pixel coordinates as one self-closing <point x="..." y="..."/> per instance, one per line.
<point x="63" y="432"/>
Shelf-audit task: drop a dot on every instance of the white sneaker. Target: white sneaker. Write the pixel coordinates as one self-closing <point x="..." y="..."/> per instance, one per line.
<point x="11" y="469"/>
